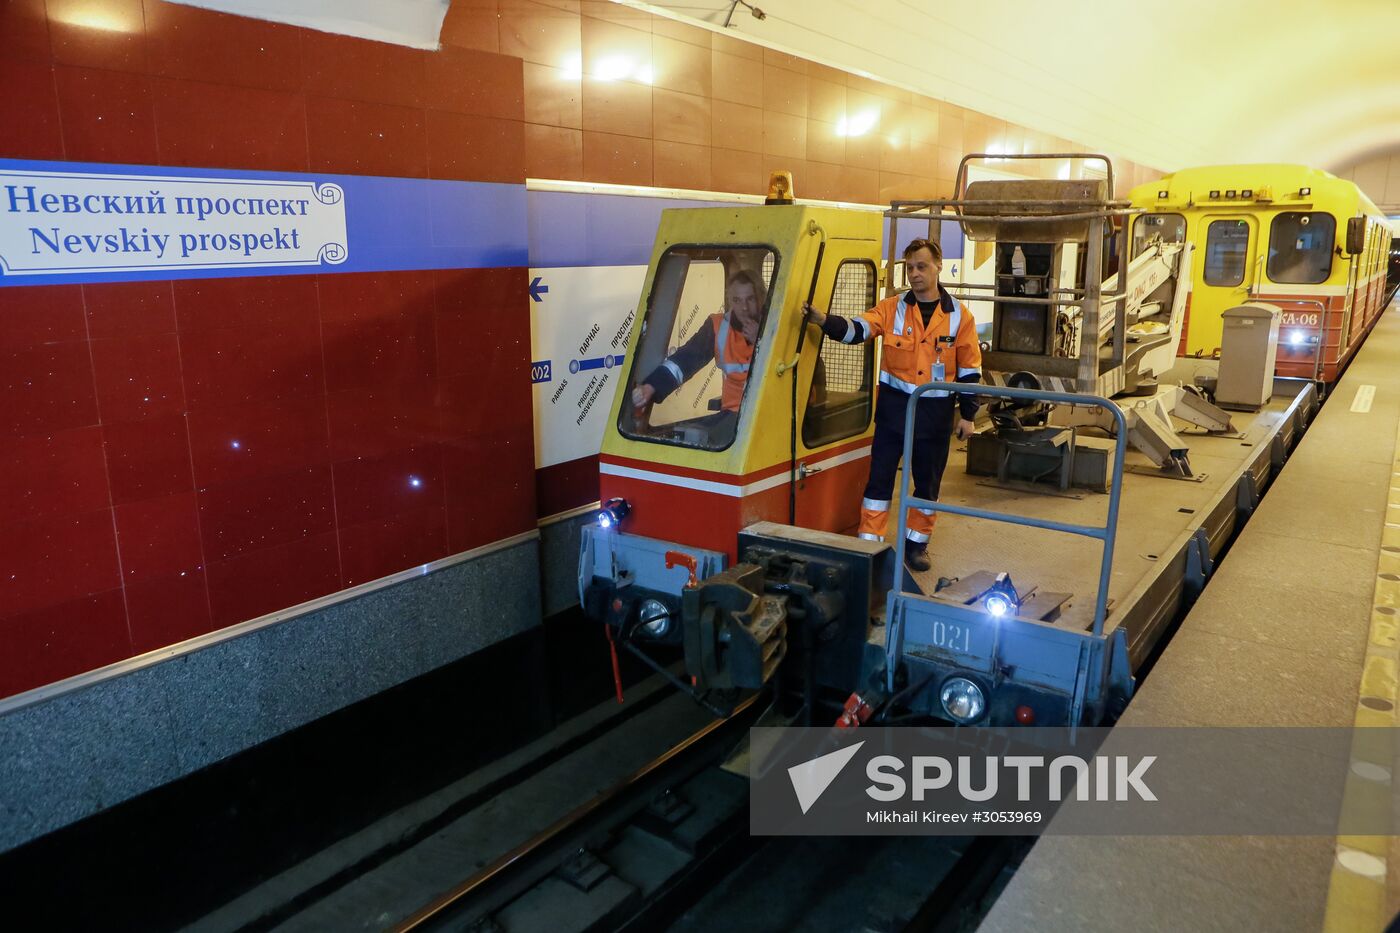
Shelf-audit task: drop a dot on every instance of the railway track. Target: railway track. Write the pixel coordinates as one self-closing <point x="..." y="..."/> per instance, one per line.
<point x="601" y="865"/>
<point x="668" y="847"/>
<point x="662" y="843"/>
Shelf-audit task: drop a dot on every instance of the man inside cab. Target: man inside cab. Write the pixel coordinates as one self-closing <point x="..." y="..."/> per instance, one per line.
<point x="928" y="337"/>
<point x="727" y="340"/>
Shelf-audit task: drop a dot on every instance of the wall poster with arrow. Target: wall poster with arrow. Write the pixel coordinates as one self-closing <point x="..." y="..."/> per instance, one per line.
<point x="580" y="322"/>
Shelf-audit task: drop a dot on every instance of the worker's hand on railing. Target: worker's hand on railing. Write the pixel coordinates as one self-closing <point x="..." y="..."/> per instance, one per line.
<point x="813" y="316"/>
<point x="642" y="395"/>
<point x="965" y="429"/>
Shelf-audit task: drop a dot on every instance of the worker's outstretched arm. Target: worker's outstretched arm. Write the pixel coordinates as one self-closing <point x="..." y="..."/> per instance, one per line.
<point x="859" y="329"/>
<point x="677" y="368"/>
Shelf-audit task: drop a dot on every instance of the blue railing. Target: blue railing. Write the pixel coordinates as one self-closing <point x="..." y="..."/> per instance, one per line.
<point x="1105" y="533"/>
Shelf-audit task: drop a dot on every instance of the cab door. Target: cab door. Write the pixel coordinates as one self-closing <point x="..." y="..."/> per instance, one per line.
<point x="1227" y="270"/>
<point x="838" y="414"/>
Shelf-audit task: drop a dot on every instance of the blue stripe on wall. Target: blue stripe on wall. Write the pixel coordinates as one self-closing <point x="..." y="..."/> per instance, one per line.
<point x="569" y="229"/>
<point x="391" y="223"/>
<point x="950" y="236"/>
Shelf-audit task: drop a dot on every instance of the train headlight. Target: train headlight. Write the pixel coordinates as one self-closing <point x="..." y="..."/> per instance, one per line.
<point x="1296" y="338"/>
<point x="1001" y="598"/>
<point x="962" y="700"/>
<point x="613" y="512"/>
<point x="654" y="618"/>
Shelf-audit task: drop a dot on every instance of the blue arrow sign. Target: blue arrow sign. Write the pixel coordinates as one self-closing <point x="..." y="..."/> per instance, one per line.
<point x="536" y="289"/>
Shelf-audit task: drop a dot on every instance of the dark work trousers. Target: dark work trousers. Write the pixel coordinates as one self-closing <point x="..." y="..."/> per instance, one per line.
<point x="933" y="426"/>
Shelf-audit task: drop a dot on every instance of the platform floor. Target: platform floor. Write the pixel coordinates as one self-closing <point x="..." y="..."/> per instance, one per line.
<point x="1279" y="638"/>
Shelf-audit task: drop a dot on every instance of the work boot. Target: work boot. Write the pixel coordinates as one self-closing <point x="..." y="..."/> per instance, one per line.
<point x="916" y="556"/>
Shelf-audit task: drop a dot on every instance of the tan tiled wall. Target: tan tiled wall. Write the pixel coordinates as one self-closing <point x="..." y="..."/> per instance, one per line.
<point x="720" y="113"/>
<point x="1379" y="177"/>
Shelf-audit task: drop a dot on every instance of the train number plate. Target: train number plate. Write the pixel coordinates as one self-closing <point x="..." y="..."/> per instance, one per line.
<point x="955" y="638"/>
<point x="1300" y="319"/>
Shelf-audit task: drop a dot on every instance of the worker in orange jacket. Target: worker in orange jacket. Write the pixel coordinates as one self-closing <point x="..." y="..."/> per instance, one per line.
<point x="928" y="337"/>
<point x="728" y="341"/>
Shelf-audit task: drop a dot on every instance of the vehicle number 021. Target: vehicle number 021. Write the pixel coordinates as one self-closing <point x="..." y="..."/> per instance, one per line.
<point x="952" y="636"/>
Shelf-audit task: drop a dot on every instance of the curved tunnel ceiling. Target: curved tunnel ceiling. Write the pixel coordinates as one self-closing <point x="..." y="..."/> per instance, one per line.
<point x="1169" y="85"/>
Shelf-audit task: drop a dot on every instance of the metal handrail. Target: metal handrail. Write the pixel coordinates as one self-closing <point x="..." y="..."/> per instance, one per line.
<point x="962" y="218"/>
<point x="1107" y="533"/>
<point x="1321" y="327"/>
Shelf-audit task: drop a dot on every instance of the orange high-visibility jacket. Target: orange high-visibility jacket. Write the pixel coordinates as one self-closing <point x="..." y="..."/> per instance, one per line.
<point x="720" y="342"/>
<point x="945" y="351"/>
<point x="733" y="355"/>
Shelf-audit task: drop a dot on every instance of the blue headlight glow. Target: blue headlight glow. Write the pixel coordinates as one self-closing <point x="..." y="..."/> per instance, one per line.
<point x="1001" y="599"/>
<point x="613" y="512"/>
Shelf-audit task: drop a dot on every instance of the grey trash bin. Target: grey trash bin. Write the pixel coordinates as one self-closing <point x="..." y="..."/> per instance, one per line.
<point x="1248" y="350"/>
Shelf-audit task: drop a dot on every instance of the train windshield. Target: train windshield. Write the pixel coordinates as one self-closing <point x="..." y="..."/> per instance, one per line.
<point x="1171" y="228"/>
<point x="1227" y="251"/>
<point x="690" y="374"/>
<point x="1300" y="247"/>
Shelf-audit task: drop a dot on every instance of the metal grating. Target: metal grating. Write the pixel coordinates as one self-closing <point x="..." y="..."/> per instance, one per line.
<point x="848" y="365"/>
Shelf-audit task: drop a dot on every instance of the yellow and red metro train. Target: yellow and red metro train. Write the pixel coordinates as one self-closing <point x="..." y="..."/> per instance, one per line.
<point x="1295" y="237"/>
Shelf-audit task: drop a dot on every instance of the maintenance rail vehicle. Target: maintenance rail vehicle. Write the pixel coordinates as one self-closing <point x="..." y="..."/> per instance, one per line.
<point x="1082" y="517"/>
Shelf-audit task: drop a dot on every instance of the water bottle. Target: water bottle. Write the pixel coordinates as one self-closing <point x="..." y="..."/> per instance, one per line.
<point x="1018" y="262"/>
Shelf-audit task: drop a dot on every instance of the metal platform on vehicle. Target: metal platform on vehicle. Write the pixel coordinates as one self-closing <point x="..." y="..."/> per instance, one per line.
<point x="1160" y="522"/>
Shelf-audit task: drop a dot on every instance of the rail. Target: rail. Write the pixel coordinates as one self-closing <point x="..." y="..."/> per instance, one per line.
<point x="1322" y="312"/>
<point x="505" y="873"/>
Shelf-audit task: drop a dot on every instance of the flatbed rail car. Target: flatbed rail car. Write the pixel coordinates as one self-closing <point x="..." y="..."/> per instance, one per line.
<point x="728" y="506"/>
<point x="1299" y="238"/>
<point x="1168" y="536"/>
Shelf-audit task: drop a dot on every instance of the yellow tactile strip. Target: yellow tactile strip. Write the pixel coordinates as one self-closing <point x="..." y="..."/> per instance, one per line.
<point x="1359" y="899"/>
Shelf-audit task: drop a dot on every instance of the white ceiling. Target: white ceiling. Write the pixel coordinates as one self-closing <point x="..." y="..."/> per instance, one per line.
<point x="415" y="23"/>
<point x="1165" y="84"/>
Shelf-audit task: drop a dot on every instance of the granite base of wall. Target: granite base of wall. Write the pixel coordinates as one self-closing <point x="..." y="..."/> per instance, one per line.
<point x="559" y="544"/>
<point x="74" y="754"/>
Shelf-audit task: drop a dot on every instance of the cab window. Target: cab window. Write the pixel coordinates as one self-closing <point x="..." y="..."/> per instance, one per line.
<point x="1300" y="247"/>
<point x="843" y="381"/>
<point x="1227" y="248"/>
<point x="1171" y="228"/>
<point x="699" y="338"/>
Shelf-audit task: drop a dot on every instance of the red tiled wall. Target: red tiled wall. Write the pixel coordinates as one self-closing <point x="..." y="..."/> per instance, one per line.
<point x="129" y="520"/>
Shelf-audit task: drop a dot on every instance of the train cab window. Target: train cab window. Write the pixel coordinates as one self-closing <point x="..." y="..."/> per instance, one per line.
<point x="1227" y="250"/>
<point x="699" y="337"/>
<point x="1300" y="247"/>
<point x="1171" y="228"/>
<point x="843" y="382"/>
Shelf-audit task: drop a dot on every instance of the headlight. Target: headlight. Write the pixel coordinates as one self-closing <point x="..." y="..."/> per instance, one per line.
<point x="654" y="618"/>
<point x="962" y="700"/>
<point x="612" y="513"/>
<point x="1296" y="338"/>
<point x="1001" y="599"/>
